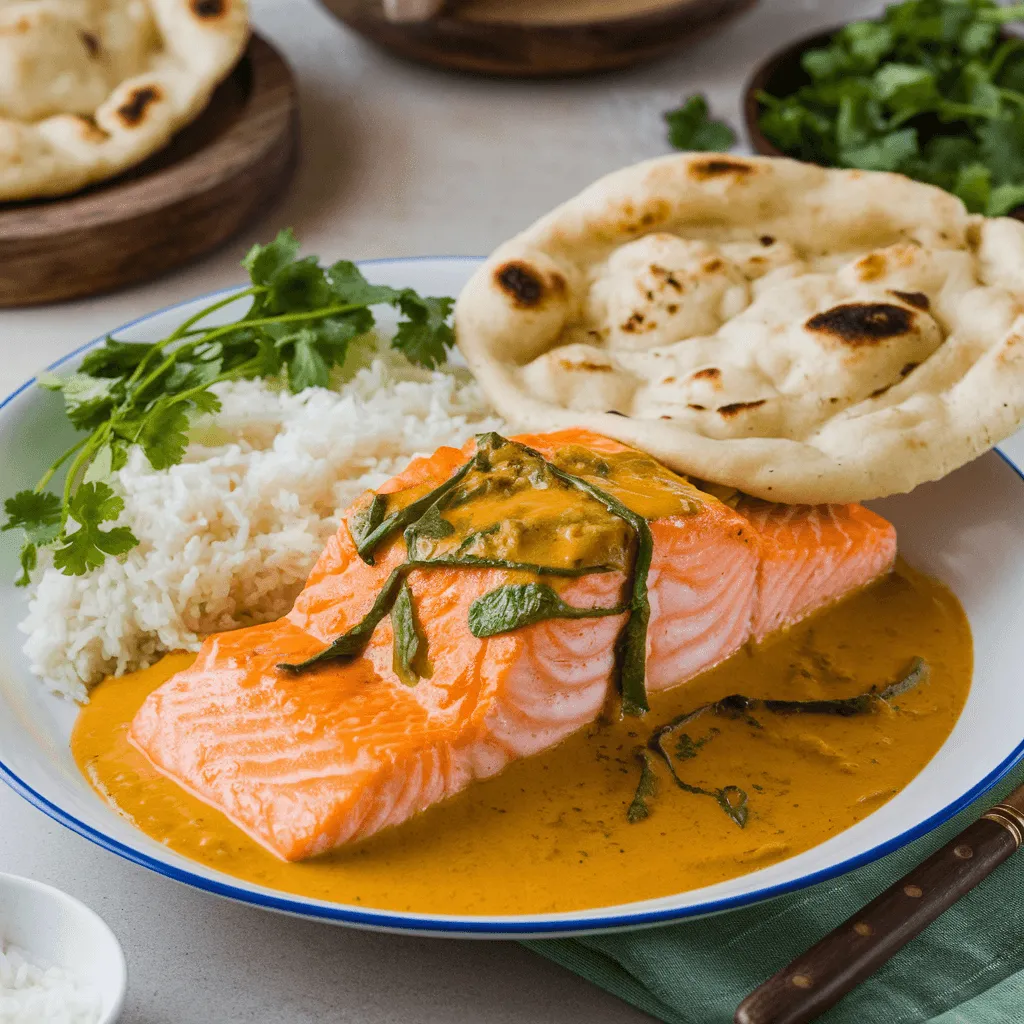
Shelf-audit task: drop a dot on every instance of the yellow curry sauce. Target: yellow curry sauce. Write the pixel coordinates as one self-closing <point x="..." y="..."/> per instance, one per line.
<point x="550" y="832"/>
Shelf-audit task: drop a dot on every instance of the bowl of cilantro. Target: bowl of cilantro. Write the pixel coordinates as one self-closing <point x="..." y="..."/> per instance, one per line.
<point x="934" y="89"/>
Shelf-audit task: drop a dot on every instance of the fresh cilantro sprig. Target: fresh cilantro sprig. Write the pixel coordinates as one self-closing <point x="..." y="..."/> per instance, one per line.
<point x="932" y="90"/>
<point x="301" y="319"/>
<point x="691" y="127"/>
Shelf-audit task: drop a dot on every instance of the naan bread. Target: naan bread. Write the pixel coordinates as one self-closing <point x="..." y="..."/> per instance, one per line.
<point x="801" y="334"/>
<point x="89" y="88"/>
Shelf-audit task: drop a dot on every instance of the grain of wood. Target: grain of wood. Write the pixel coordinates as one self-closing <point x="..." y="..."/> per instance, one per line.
<point x="412" y="10"/>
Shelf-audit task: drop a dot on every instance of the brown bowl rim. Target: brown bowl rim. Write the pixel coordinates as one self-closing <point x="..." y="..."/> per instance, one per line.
<point x="491" y="48"/>
<point x="792" y="51"/>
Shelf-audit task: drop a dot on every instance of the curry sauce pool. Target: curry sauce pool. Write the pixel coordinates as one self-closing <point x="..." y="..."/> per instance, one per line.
<point x="550" y="833"/>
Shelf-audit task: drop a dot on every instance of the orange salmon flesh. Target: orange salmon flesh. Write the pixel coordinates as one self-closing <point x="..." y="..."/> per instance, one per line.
<point x="306" y="762"/>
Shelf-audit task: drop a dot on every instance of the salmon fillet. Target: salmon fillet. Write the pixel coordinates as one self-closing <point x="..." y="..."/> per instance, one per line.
<point x="306" y="762"/>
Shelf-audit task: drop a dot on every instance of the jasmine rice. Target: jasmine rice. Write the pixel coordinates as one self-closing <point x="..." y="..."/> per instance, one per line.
<point x="227" y="538"/>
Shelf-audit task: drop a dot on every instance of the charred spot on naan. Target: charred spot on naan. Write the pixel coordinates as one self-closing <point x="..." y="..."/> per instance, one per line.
<point x="876" y="265"/>
<point x="18" y="28"/>
<point x="89" y="129"/>
<point x="209" y="10"/>
<point x="636" y="323"/>
<point x="871" y="267"/>
<point x="863" y="323"/>
<point x="667" y="276"/>
<point x="133" y="111"/>
<point x="635" y="222"/>
<point x="526" y="286"/>
<point x="735" y="408"/>
<point x="720" y="167"/>
<point x="585" y="366"/>
<point x="916" y="299"/>
<point x="710" y="373"/>
<point x="91" y="44"/>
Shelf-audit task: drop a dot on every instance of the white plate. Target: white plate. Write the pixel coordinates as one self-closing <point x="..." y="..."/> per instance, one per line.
<point x="966" y="530"/>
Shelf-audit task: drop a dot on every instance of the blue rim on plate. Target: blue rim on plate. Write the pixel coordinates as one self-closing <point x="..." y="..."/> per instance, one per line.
<point x="492" y="926"/>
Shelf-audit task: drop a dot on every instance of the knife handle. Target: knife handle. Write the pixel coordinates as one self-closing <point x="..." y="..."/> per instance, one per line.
<point x="824" y="974"/>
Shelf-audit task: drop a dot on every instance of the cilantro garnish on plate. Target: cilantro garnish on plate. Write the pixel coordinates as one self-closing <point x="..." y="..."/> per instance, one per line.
<point x="934" y="89"/>
<point x="298" y="327"/>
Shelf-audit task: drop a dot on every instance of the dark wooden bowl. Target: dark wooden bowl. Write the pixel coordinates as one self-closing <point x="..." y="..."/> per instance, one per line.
<point x="212" y="179"/>
<point x="781" y="74"/>
<point x="537" y="50"/>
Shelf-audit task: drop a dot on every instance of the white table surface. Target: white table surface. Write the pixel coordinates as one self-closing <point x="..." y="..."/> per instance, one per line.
<point x="397" y="160"/>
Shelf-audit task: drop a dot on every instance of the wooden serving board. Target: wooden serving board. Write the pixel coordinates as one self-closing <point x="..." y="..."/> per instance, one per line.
<point x="535" y="38"/>
<point x="214" y="177"/>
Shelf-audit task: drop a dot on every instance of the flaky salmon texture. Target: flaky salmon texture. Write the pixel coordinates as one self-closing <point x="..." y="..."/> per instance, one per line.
<point x="304" y="762"/>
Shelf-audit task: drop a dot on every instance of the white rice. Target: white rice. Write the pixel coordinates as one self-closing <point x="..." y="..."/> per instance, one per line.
<point x="228" y="537"/>
<point x="32" y="992"/>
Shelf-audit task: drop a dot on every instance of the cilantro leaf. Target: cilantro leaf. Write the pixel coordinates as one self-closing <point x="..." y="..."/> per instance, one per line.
<point x="28" y="558"/>
<point x="186" y="376"/>
<point x="205" y="402"/>
<point x="307" y="368"/>
<point x="300" y="286"/>
<point x="264" y="261"/>
<point x="825" y="62"/>
<point x="35" y="512"/>
<point x="88" y="400"/>
<point x="974" y="187"/>
<point x="114" y="358"/>
<point x="1004" y="198"/>
<point x="87" y="547"/>
<point x="979" y="37"/>
<point x="163" y="434"/>
<point x="350" y="286"/>
<point x="335" y="333"/>
<point x="689" y="127"/>
<point x="867" y="42"/>
<point x="110" y="457"/>
<point x="905" y="88"/>
<point x="1002" y="149"/>
<point x="885" y="153"/>
<point x="425" y="336"/>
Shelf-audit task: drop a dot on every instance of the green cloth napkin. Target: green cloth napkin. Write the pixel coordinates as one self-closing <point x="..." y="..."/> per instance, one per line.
<point x="967" y="968"/>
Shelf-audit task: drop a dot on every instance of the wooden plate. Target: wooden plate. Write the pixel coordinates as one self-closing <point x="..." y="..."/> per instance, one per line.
<point x="464" y="41"/>
<point x="213" y="177"/>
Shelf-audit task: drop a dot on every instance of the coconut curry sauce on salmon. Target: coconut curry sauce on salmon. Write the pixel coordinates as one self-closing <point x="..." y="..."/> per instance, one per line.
<point x="480" y="615"/>
<point x="480" y="609"/>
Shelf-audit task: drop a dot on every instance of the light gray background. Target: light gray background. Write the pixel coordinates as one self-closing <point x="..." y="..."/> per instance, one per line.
<point x="397" y="160"/>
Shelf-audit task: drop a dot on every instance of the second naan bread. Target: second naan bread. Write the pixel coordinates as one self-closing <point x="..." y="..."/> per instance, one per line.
<point x="89" y="88"/>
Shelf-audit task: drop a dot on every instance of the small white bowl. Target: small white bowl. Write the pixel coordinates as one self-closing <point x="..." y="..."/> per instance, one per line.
<point x="56" y="928"/>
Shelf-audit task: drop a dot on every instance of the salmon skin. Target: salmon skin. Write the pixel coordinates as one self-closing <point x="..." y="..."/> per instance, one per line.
<point x="304" y="762"/>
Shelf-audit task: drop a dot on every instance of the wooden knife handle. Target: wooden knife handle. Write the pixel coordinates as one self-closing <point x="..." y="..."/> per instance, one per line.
<point x="824" y="974"/>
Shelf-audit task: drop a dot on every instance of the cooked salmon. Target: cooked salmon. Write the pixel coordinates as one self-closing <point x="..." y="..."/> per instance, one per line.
<point x="304" y="762"/>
